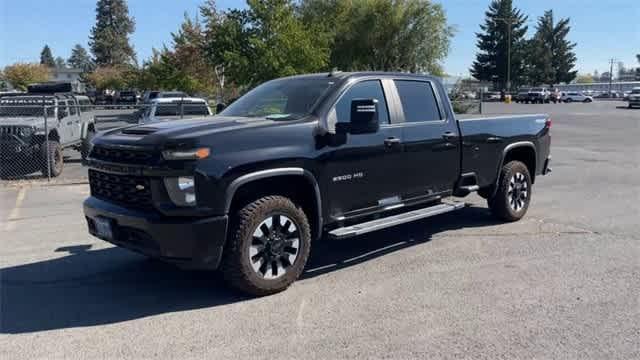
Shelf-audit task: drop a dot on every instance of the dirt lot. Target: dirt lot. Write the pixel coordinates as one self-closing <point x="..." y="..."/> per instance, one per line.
<point x="563" y="283"/>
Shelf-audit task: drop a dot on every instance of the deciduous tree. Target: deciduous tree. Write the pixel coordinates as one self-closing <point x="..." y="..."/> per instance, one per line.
<point x="20" y="75"/>
<point x="265" y="41"/>
<point x="397" y="35"/>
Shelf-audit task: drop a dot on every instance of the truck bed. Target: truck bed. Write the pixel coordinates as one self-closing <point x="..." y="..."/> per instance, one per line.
<point x="486" y="139"/>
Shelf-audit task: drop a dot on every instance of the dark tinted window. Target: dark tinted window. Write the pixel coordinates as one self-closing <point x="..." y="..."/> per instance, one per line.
<point x="72" y="107"/>
<point x="170" y="94"/>
<point x="167" y="110"/>
<point x="418" y="101"/>
<point x="195" y="109"/>
<point x="370" y="89"/>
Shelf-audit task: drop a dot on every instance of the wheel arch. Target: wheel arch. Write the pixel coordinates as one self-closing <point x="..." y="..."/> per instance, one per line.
<point x="86" y="127"/>
<point x="524" y="151"/>
<point x="294" y="182"/>
<point x="53" y="135"/>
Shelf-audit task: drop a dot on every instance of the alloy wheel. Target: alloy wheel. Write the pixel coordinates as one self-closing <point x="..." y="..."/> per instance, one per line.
<point x="275" y="246"/>
<point x="518" y="193"/>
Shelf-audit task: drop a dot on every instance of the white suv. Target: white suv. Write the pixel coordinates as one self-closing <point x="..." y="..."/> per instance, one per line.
<point x="575" y="97"/>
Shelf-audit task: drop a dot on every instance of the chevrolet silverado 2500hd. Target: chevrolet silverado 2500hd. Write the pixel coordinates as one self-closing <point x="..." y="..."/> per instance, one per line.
<point x="301" y="158"/>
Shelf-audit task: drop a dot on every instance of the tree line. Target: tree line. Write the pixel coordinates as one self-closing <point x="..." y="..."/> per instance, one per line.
<point x="224" y="52"/>
<point x="508" y="59"/>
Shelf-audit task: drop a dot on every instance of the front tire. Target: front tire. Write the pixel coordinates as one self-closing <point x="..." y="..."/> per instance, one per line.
<point x="268" y="246"/>
<point x="53" y="150"/>
<point x="511" y="201"/>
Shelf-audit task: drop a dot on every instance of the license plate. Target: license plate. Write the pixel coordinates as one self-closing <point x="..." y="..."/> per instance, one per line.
<point x="103" y="228"/>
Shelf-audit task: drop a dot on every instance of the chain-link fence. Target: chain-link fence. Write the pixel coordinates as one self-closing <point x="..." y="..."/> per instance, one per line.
<point x="47" y="139"/>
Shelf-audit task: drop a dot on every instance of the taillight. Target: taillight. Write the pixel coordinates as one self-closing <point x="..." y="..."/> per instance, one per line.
<point x="547" y="123"/>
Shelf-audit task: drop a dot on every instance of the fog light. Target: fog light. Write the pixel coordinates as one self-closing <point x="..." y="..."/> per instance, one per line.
<point x="181" y="190"/>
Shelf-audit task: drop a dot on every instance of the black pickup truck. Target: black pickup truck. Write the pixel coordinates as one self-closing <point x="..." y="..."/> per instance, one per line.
<point x="302" y="158"/>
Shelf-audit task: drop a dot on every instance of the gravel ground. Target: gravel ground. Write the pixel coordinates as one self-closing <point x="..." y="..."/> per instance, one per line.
<point x="563" y="283"/>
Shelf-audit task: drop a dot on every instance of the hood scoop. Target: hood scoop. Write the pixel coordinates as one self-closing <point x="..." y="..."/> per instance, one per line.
<point x="139" y="130"/>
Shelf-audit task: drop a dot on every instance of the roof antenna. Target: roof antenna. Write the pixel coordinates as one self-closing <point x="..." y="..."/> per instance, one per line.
<point x="334" y="72"/>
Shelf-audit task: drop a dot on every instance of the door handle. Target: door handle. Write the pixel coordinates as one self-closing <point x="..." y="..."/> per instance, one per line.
<point x="391" y="141"/>
<point x="449" y="136"/>
<point x="494" y="140"/>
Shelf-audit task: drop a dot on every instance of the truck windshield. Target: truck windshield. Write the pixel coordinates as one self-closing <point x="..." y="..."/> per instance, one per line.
<point x="282" y="99"/>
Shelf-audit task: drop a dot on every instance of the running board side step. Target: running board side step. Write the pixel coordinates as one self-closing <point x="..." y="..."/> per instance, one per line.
<point x="374" y="225"/>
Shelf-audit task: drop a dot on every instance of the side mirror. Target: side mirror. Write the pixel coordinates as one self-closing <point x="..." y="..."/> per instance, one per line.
<point x="364" y="116"/>
<point x="220" y="107"/>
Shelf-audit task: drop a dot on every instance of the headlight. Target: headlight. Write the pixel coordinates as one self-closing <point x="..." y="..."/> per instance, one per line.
<point x="191" y="154"/>
<point x="181" y="190"/>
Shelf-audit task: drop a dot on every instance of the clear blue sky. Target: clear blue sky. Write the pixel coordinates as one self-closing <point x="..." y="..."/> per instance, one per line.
<point x="602" y="28"/>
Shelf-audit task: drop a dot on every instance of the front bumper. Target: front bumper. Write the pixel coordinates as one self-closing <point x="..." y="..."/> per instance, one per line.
<point x="186" y="241"/>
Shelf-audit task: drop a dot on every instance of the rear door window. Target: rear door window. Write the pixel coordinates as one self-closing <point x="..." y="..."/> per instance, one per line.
<point x="195" y="109"/>
<point x="418" y="101"/>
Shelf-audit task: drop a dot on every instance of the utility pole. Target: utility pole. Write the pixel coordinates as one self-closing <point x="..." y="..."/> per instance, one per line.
<point x="508" y="21"/>
<point x="611" y="75"/>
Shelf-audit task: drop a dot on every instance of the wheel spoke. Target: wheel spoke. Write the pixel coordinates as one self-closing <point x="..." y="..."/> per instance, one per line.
<point x="266" y="230"/>
<point x="257" y="265"/>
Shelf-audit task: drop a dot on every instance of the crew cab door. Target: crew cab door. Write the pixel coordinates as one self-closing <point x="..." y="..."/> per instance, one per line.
<point x="65" y="122"/>
<point x="362" y="170"/>
<point x="430" y="139"/>
<point x="75" y="118"/>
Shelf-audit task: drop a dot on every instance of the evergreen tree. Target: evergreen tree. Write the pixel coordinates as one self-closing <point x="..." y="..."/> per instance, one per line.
<point x="46" y="57"/>
<point x="109" y="40"/>
<point x="502" y="33"/>
<point x="80" y="59"/>
<point x="60" y="62"/>
<point x="564" y="58"/>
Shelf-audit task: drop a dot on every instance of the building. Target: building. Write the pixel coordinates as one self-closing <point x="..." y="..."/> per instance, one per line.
<point x="618" y="86"/>
<point x="68" y="75"/>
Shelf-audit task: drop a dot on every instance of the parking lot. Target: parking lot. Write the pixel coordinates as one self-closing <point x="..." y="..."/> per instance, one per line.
<point x="562" y="283"/>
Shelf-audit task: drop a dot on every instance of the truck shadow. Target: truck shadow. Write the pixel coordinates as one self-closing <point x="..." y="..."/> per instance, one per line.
<point x="94" y="287"/>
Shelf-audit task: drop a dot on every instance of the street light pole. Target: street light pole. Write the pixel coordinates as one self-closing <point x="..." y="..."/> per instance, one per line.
<point x="508" y="21"/>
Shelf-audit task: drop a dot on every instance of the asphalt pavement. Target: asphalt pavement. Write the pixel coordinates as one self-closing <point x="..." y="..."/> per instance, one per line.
<point x="563" y="283"/>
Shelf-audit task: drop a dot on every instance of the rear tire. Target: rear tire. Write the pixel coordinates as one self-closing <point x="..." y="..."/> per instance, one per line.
<point x="53" y="150"/>
<point x="268" y="246"/>
<point x="511" y="200"/>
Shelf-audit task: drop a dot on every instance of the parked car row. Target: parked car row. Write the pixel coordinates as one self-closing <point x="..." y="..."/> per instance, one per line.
<point x="545" y="96"/>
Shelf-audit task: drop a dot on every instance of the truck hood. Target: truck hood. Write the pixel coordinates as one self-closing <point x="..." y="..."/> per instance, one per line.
<point x="157" y="134"/>
<point x="36" y="122"/>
